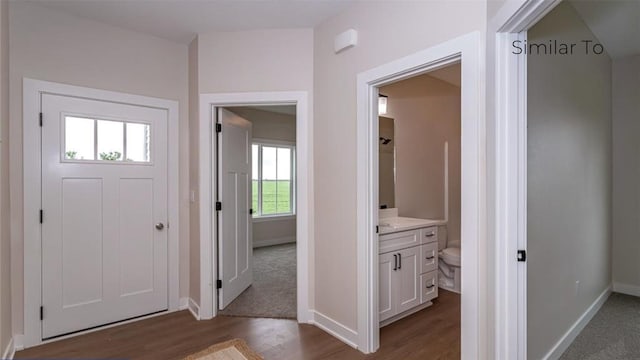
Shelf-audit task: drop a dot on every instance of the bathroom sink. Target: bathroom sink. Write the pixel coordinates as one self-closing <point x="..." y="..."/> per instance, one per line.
<point x="398" y="223"/>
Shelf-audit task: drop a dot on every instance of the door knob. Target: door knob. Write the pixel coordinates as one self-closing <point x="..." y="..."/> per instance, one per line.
<point x="159" y="226"/>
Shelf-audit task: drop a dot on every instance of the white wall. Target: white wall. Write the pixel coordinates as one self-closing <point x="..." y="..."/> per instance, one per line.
<point x="569" y="181"/>
<point x="427" y="114"/>
<point x="268" y="125"/>
<point x="256" y="61"/>
<point x="626" y="173"/>
<point x="386" y="31"/>
<point x="52" y="46"/>
<point x="5" y="250"/>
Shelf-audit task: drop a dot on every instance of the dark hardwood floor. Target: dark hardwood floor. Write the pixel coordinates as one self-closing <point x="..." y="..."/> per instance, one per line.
<point x="433" y="333"/>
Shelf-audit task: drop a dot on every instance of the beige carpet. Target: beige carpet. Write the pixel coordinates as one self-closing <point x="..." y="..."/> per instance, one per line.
<point x="235" y="349"/>
<point x="273" y="293"/>
<point x="612" y="334"/>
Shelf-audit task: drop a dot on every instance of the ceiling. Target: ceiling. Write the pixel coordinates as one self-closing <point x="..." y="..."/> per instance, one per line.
<point x="450" y="74"/>
<point x="181" y="20"/>
<point x="616" y="23"/>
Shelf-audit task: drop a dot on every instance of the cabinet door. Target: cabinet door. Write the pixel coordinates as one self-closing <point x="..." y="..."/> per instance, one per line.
<point x="399" y="240"/>
<point x="386" y="273"/>
<point x="408" y="289"/>
<point x="428" y="286"/>
<point x="429" y="257"/>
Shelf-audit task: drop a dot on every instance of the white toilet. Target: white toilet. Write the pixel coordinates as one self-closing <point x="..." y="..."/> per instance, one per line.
<point x="449" y="264"/>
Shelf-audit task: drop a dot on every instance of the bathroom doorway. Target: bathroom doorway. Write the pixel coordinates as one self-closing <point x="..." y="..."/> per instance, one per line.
<point x="462" y="51"/>
<point x="419" y="200"/>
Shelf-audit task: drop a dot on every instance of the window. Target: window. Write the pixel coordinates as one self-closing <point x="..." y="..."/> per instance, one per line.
<point x="273" y="180"/>
<point x="87" y="139"/>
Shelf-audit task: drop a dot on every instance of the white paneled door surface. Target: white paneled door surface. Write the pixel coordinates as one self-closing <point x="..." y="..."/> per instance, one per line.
<point x="104" y="219"/>
<point x="234" y="188"/>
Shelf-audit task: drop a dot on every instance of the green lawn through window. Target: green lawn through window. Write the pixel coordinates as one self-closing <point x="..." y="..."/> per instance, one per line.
<point x="271" y="203"/>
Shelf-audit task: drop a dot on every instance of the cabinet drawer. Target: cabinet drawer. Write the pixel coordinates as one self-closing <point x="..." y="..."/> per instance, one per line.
<point x="428" y="257"/>
<point x="399" y="240"/>
<point x="428" y="286"/>
<point x="429" y="234"/>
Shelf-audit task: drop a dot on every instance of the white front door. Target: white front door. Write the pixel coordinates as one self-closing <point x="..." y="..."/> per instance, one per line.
<point x="234" y="192"/>
<point x="104" y="202"/>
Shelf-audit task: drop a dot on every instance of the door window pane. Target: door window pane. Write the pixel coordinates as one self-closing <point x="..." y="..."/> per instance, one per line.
<point x="78" y="138"/>
<point x="138" y="142"/>
<point x="110" y="140"/>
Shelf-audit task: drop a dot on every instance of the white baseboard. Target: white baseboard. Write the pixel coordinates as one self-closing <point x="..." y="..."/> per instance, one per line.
<point x="9" y="351"/>
<point x="336" y="329"/>
<point x="194" y="309"/>
<point x="18" y="342"/>
<point x="183" y="304"/>
<point x="561" y="346"/>
<point x="271" y="242"/>
<point x="627" y="289"/>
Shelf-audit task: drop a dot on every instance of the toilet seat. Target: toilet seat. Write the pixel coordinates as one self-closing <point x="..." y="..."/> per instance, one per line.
<point x="451" y="256"/>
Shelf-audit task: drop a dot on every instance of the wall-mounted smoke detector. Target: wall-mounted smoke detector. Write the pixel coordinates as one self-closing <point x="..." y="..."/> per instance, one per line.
<point x="345" y="40"/>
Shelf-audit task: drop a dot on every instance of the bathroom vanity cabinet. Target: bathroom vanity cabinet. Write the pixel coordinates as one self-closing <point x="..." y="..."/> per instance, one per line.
<point x="408" y="272"/>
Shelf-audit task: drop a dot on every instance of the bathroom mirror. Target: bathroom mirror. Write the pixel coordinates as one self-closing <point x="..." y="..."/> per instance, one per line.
<point x="387" y="163"/>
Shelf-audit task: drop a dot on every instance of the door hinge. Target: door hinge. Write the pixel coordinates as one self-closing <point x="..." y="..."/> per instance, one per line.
<point x="377" y="229"/>
<point x="218" y="206"/>
<point x="41" y="312"/>
<point x="522" y="255"/>
<point x="218" y="127"/>
<point x="40" y="119"/>
<point x="41" y="216"/>
<point x="219" y="284"/>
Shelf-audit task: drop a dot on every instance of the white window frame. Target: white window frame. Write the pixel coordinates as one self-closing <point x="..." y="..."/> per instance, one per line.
<point x="96" y="160"/>
<point x="257" y="215"/>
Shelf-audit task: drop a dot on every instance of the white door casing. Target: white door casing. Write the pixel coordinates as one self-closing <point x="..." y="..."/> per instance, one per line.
<point x="467" y="50"/>
<point x="209" y="103"/>
<point x="103" y="260"/>
<point x="235" y="263"/>
<point x="34" y="91"/>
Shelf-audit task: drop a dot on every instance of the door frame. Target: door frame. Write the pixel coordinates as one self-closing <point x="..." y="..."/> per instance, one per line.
<point x="207" y="183"/>
<point x="510" y="112"/>
<point x="467" y="49"/>
<point x="32" y="92"/>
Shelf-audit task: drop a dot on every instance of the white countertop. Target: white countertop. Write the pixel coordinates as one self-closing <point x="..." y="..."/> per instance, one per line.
<point x="397" y="223"/>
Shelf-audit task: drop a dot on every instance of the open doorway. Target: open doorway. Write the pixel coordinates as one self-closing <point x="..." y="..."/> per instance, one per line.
<point x="267" y="240"/>
<point x="462" y="51"/>
<point x="419" y="201"/>
<point x="210" y="105"/>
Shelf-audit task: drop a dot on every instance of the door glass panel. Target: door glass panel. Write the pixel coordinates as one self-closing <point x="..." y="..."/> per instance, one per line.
<point x="110" y="140"/>
<point x="79" y="138"/>
<point x="138" y="142"/>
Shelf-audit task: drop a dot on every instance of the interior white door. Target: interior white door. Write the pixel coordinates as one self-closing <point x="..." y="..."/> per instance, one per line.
<point x="104" y="201"/>
<point x="234" y="220"/>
